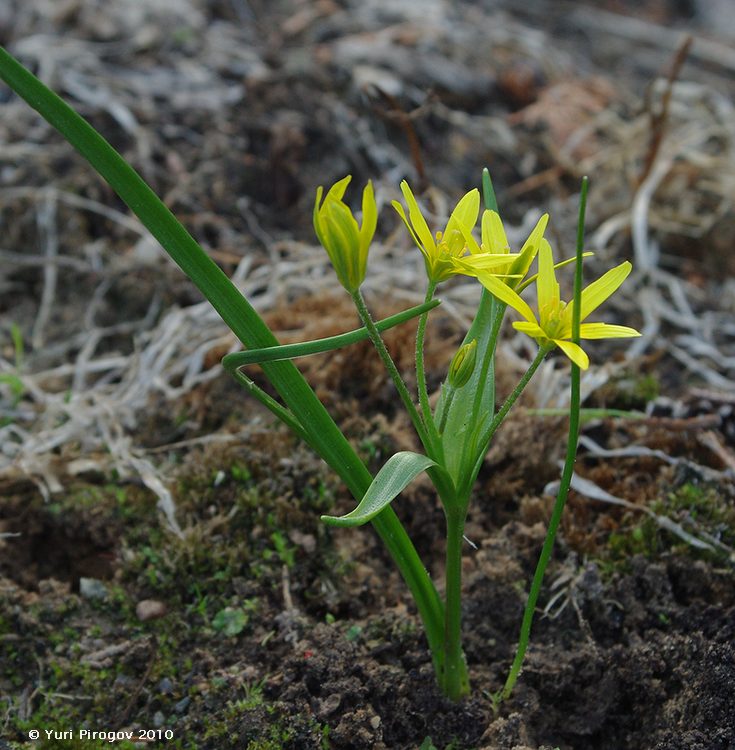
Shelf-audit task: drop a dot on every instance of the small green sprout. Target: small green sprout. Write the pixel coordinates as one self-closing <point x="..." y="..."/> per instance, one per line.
<point x="230" y="621"/>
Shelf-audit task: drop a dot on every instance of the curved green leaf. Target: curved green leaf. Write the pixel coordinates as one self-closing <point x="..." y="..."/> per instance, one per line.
<point x="319" y="346"/>
<point x="397" y="473"/>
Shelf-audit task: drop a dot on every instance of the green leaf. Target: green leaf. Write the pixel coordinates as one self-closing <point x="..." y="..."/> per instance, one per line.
<point x="319" y="346"/>
<point x="17" y="389"/>
<point x="473" y="405"/>
<point x="230" y="621"/>
<point x="397" y="473"/>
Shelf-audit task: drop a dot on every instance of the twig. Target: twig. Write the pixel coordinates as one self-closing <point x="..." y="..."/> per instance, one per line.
<point x="658" y="119"/>
<point x="136" y="691"/>
<point x="46" y="220"/>
<point x="395" y="113"/>
<point x="636" y="30"/>
<point x="710" y="440"/>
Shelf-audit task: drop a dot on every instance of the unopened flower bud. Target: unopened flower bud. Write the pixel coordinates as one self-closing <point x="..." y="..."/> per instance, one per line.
<point x="346" y="242"/>
<point x="463" y="364"/>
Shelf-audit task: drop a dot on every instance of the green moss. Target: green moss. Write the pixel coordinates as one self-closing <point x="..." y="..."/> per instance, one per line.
<point x="241" y="474"/>
<point x="239" y="535"/>
<point x="699" y="508"/>
<point x="253" y="724"/>
<point x="630" y="390"/>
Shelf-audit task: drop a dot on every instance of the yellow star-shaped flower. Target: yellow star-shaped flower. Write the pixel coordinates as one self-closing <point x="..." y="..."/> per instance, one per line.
<point x="494" y="245"/>
<point x="441" y="250"/>
<point x="554" y="323"/>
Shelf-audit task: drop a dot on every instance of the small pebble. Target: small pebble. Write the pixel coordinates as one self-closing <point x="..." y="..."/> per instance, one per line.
<point x="123" y="681"/>
<point x="306" y="541"/>
<point x="91" y="588"/>
<point x="182" y="705"/>
<point x="165" y="686"/>
<point x="158" y="720"/>
<point x="149" y="609"/>
<point x="329" y="705"/>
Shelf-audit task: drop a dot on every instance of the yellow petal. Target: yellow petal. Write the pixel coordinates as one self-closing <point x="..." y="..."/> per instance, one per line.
<point x="530" y="247"/>
<point x="605" y="331"/>
<point x="546" y="284"/>
<point x="598" y="291"/>
<point x="401" y="212"/>
<point x="531" y="329"/>
<point x="472" y="245"/>
<point x="493" y="233"/>
<point x="481" y="262"/>
<point x="369" y="218"/>
<point x="574" y="352"/>
<point x="465" y="212"/>
<point x="420" y="227"/>
<point x="317" y="221"/>
<point x="505" y="294"/>
<point x="343" y="245"/>
<point x="337" y="191"/>
<point x="537" y="233"/>
<point x="560" y="264"/>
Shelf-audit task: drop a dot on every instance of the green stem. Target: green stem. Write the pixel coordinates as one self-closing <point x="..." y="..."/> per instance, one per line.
<point x="507" y="405"/>
<point x="546" y="550"/>
<point x="566" y="477"/>
<point x="269" y="402"/>
<point x="420" y="371"/>
<point x="520" y="387"/>
<point x="455" y="682"/>
<point x="487" y="366"/>
<point x="451" y="391"/>
<point x="390" y="366"/>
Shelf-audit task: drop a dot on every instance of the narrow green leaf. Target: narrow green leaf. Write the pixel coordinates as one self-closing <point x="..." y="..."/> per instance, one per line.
<point x="324" y="435"/>
<point x="319" y="346"/>
<point x="397" y="473"/>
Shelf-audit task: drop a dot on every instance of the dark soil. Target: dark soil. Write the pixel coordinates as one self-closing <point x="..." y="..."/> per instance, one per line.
<point x="259" y="627"/>
<point x="329" y="652"/>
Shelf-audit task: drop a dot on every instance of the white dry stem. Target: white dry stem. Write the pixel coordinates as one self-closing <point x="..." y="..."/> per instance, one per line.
<point x="46" y="220"/>
<point x="590" y="490"/>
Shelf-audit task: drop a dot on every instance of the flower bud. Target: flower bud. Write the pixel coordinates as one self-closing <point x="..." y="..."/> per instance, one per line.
<point x="346" y="242"/>
<point x="463" y="364"/>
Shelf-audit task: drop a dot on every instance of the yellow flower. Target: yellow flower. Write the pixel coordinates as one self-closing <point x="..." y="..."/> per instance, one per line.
<point x="554" y="323"/>
<point x="346" y="242"/>
<point x="440" y="252"/>
<point x="494" y="245"/>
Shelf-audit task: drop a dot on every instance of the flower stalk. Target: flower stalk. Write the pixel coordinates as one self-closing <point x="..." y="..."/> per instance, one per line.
<point x="568" y="471"/>
<point x="420" y="369"/>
